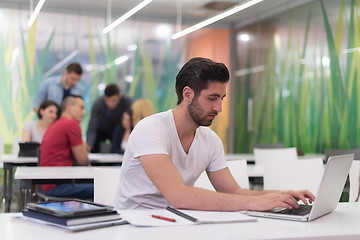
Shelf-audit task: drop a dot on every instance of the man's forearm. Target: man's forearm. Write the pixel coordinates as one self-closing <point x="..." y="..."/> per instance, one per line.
<point x="202" y="199"/>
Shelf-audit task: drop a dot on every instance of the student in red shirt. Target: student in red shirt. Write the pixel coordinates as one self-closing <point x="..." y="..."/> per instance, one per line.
<point x="62" y="145"/>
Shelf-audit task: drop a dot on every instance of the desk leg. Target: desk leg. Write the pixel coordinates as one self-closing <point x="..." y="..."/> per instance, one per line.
<point x="25" y="193"/>
<point x="7" y="192"/>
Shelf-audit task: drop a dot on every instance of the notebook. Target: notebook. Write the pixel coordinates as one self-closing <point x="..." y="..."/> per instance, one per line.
<point x="167" y="217"/>
<point x="327" y="197"/>
<point x="28" y="149"/>
<point x="72" y="221"/>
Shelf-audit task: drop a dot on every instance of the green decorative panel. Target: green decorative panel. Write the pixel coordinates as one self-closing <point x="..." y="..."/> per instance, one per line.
<point x="28" y="55"/>
<point x="297" y="79"/>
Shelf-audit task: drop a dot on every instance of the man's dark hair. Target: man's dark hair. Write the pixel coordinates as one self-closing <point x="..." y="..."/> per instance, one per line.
<point x="75" y="68"/>
<point x="197" y="73"/>
<point x="69" y="100"/>
<point x="45" y="104"/>
<point x="111" y="90"/>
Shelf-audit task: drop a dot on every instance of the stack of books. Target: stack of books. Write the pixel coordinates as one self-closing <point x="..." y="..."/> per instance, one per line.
<point x="73" y="214"/>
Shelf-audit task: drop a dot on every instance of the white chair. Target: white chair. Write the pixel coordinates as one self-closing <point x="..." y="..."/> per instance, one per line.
<point x="265" y="154"/>
<point x="293" y="175"/>
<point x="238" y="169"/>
<point x="354" y="177"/>
<point x="106" y="181"/>
<point x="15" y="146"/>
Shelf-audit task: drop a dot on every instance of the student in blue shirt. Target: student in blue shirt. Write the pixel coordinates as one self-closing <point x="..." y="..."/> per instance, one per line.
<point x="58" y="87"/>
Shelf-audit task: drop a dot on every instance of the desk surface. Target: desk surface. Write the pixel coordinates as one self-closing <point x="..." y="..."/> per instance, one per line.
<point x="93" y="157"/>
<point x="78" y="172"/>
<point x="343" y="223"/>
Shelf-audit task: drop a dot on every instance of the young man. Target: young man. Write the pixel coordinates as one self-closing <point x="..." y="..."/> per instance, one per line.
<point x="58" y="87"/>
<point x="106" y="114"/>
<point x="167" y="152"/>
<point x="62" y="145"/>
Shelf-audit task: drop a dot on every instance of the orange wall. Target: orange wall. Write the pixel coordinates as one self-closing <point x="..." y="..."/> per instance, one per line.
<point x="213" y="44"/>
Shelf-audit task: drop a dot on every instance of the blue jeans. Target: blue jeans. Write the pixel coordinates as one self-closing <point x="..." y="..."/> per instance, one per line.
<point x="82" y="191"/>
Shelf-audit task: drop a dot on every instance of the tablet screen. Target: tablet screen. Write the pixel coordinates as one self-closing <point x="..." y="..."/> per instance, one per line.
<point x="70" y="206"/>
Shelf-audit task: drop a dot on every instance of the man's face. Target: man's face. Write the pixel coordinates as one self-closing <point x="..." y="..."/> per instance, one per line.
<point x="77" y="111"/>
<point x="111" y="102"/>
<point x="204" y="108"/>
<point x="70" y="79"/>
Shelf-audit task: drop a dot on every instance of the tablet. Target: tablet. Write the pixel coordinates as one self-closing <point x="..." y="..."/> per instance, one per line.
<point x="69" y="208"/>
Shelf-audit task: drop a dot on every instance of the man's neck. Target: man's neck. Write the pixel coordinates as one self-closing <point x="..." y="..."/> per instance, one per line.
<point x="185" y="125"/>
<point x="67" y="115"/>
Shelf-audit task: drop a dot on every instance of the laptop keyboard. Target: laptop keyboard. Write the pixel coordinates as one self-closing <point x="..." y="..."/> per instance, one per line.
<point x="302" y="210"/>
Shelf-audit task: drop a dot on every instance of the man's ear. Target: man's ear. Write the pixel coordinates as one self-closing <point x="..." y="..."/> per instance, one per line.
<point x="188" y="94"/>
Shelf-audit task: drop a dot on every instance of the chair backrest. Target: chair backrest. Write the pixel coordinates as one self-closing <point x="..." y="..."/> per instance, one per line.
<point x="237" y="168"/>
<point x="293" y="175"/>
<point x="106" y="181"/>
<point x="15" y="146"/>
<point x="354" y="177"/>
<point x="262" y="154"/>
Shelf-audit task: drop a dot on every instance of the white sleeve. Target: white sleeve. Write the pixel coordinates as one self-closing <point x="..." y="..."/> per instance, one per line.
<point x="217" y="155"/>
<point x="149" y="137"/>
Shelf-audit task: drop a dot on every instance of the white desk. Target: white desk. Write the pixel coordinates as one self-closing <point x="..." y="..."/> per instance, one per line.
<point x="250" y="156"/>
<point x="105" y="158"/>
<point x="342" y="224"/>
<point x="49" y="175"/>
<point x="9" y="161"/>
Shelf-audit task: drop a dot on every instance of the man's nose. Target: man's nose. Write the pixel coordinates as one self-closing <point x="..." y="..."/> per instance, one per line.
<point x="218" y="106"/>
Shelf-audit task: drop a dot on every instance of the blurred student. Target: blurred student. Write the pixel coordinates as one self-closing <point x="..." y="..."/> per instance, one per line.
<point x="139" y="109"/>
<point x="142" y="108"/>
<point x="106" y="114"/>
<point x="122" y="133"/>
<point x="56" y="88"/>
<point x="48" y="112"/>
<point x="63" y="146"/>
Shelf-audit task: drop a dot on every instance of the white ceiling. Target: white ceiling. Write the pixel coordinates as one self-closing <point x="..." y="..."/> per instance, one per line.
<point x="192" y="11"/>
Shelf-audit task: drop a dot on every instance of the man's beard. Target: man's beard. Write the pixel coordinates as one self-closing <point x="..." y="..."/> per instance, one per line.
<point x="197" y="113"/>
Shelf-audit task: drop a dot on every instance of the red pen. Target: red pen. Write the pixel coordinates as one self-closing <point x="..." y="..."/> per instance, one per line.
<point x="163" y="218"/>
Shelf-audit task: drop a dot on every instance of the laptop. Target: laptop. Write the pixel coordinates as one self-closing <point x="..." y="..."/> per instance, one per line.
<point x="327" y="197"/>
<point x="28" y="149"/>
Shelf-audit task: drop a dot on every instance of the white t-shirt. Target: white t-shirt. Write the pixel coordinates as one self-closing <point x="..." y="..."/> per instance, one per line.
<point x="35" y="135"/>
<point x="157" y="135"/>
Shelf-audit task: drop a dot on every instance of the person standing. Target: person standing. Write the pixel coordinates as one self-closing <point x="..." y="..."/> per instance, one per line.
<point x="56" y="88"/>
<point x="106" y="114"/>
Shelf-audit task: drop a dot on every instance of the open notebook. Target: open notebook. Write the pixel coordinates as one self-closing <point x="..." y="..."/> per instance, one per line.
<point x="144" y="217"/>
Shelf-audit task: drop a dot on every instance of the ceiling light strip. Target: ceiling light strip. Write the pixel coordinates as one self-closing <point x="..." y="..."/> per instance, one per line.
<point x="36" y="12"/>
<point x="216" y="18"/>
<point x="126" y="16"/>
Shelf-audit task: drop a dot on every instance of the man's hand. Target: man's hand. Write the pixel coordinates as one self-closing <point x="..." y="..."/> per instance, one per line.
<point x="285" y="199"/>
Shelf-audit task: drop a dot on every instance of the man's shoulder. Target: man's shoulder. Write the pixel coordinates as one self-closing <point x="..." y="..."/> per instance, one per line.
<point x="127" y="98"/>
<point x="65" y="124"/>
<point x="156" y="121"/>
<point x="99" y="101"/>
<point x="207" y="133"/>
<point x="52" y="80"/>
<point x="161" y="116"/>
